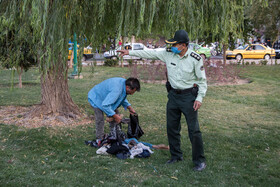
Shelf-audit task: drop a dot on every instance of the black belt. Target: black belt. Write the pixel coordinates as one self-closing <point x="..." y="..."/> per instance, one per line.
<point x="178" y="91"/>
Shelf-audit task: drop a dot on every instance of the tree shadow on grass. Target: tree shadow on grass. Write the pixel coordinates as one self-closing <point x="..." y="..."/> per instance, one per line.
<point x="24" y="84"/>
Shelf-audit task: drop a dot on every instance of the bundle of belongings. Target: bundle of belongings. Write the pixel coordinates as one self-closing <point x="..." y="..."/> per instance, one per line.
<point x="123" y="145"/>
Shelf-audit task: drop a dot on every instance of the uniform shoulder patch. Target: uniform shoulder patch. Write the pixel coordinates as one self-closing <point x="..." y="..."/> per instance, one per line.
<point x="196" y="56"/>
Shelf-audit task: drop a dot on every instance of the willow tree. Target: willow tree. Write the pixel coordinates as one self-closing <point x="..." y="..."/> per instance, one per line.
<point x="53" y="22"/>
<point x="15" y="50"/>
<point x="212" y="20"/>
<point x="266" y="18"/>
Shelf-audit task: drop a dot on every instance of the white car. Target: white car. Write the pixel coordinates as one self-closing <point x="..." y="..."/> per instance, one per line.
<point x="129" y="46"/>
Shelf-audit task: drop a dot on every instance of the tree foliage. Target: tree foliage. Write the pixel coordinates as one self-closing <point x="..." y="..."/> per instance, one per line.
<point x="15" y="50"/>
<point x="54" y="21"/>
<point x="47" y="25"/>
<point x="266" y="18"/>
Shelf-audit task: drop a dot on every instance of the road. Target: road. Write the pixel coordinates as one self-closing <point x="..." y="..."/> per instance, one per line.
<point x="99" y="58"/>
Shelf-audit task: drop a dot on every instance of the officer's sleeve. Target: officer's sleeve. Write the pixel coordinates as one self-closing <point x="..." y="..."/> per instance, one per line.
<point x="147" y="53"/>
<point x="202" y="82"/>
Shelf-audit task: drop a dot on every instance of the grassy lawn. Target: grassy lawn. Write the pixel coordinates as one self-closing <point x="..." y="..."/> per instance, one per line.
<point x="240" y="126"/>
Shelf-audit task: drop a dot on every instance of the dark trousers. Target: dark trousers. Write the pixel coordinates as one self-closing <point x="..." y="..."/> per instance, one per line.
<point x="176" y="105"/>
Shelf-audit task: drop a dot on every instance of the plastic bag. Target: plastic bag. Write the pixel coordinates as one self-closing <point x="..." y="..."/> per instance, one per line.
<point x="134" y="130"/>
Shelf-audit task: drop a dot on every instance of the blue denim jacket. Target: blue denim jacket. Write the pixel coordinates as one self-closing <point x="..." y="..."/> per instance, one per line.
<point x="109" y="95"/>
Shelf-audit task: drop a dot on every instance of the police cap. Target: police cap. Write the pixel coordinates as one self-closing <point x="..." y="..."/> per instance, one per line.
<point x="181" y="36"/>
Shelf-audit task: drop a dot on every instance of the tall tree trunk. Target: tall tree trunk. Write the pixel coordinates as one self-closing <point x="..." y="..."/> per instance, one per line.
<point x="224" y="53"/>
<point x="55" y="95"/>
<point x="20" y="77"/>
<point x="272" y="48"/>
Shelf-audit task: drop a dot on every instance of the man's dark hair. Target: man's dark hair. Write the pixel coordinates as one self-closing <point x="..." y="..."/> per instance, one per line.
<point x="133" y="83"/>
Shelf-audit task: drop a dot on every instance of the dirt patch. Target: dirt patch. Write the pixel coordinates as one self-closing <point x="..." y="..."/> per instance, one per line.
<point x="235" y="82"/>
<point x="16" y="115"/>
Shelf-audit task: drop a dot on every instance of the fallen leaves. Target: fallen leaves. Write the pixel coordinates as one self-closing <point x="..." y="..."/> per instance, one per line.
<point x="15" y="115"/>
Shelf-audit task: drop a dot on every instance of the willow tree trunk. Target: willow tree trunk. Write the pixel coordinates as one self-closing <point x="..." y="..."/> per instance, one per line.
<point x="20" y="76"/>
<point x="224" y="53"/>
<point x="55" y="95"/>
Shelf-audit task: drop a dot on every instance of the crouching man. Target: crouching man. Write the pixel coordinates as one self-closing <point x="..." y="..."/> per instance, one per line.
<point x="106" y="97"/>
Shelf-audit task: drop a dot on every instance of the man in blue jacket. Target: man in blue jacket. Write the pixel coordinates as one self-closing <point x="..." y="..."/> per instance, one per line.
<point x="107" y="96"/>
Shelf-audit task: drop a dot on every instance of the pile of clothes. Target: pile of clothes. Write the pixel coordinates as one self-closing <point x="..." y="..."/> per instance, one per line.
<point x="123" y="145"/>
<point x="129" y="148"/>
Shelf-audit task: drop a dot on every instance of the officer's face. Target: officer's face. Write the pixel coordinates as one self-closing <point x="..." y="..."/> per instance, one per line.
<point x="180" y="46"/>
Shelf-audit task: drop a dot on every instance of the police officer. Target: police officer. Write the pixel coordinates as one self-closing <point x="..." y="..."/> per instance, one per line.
<point x="187" y="88"/>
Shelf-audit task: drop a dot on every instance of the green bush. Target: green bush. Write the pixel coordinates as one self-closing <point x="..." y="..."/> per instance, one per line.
<point x="247" y="63"/>
<point x="130" y="61"/>
<point x="253" y="63"/>
<point x="263" y="62"/>
<point x="111" y="62"/>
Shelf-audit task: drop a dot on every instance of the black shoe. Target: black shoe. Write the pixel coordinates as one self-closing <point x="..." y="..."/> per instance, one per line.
<point x="173" y="160"/>
<point x="200" y="167"/>
<point x="94" y="143"/>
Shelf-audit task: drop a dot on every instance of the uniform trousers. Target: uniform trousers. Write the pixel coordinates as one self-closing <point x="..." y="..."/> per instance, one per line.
<point x="176" y="105"/>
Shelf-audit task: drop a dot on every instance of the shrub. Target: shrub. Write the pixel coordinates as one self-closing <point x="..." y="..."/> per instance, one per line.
<point x="130" y="61"/>
<point x="149" y="72"/>
<point x="216" y="72"/>
<point x="263" y="62"/>
<point x="111" y="62"/>
<point x="247" y="63"/>
<point x="253" y="63"/>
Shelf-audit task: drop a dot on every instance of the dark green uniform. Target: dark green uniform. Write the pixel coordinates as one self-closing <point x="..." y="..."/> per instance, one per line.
<point x="183" y="73"/>
<point x="177" y="104"/>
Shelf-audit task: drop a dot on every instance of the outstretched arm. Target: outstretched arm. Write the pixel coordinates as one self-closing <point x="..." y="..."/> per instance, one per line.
<point x="147" y="54"/>
<point x="123" y="52"/>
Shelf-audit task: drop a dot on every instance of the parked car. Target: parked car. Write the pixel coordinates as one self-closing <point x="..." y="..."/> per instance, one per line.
<point x="204" y="52"/>
<point x="129" y="46"/>
<point x="277" y="53"/>
<point x="86" y="55"/>
<point x="251" y="51"/>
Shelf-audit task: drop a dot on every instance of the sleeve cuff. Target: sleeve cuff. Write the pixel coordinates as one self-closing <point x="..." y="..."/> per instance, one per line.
<point x="111" y="114"/>
<point x="199" y="98"/>
<point x="125" y="107"/>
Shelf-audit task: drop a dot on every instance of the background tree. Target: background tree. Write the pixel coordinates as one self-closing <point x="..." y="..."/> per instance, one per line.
<point x="15" y="51"/>
<point x="266" y="18"/>
<point x="53" y="22"/>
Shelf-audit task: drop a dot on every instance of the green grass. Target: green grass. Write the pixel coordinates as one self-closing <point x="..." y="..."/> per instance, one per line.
<point x="240" y="126"/>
